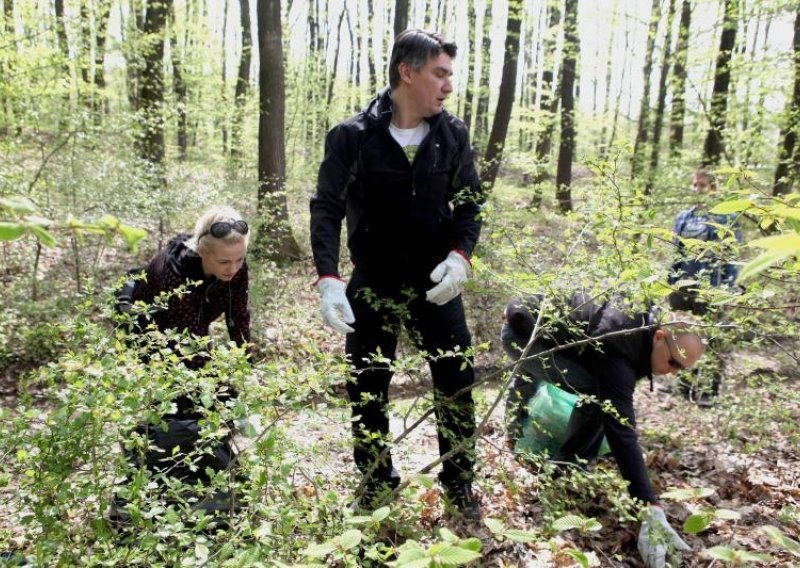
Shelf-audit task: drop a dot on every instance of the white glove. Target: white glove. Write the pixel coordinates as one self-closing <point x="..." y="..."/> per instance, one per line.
<point x="451" y="275"/>
<point x="336" y="308"/>
<point x="656" y="538"/>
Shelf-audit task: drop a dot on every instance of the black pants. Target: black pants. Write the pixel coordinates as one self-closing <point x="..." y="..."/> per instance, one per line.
<point x="380" y="307"/>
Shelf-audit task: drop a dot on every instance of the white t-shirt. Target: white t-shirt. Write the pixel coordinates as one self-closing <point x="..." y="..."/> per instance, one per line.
<point x="410" y="138"/>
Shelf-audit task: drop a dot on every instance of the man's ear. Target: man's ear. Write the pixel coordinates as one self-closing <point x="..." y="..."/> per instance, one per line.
<point x="659" y="335"/>
<point x="404" y="70"/>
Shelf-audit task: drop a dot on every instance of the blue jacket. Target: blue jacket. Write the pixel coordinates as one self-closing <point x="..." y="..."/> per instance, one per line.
<point x="710" y="264"/>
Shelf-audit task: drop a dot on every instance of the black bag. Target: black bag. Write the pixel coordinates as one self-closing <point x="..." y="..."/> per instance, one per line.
<point x="124" y="295"/>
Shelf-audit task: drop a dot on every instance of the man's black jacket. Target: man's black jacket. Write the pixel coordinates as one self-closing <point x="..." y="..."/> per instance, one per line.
<point x="616" y="363"/>
<point x="401" y="216"/>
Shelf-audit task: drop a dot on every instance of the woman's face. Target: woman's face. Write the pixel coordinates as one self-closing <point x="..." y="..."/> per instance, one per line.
<point x="221" y="259"/>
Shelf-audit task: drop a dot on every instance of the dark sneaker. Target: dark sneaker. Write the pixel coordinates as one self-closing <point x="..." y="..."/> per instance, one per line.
<point x="460" y="499"/>
<point x="704" y="400"/>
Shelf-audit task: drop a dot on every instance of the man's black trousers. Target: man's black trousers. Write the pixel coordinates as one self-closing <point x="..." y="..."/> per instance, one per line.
<point x="381" y="307"/>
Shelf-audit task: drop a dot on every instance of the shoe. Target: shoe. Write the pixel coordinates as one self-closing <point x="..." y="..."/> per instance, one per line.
<point x="704" y="400"/>
<point x="460" y="498"/>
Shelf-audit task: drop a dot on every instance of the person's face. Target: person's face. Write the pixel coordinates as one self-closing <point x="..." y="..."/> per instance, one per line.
<point x="430" y="86"/>
<point x="221" y="259"/>
<point x="672" y="355"/>
<point x="701" y="184"/>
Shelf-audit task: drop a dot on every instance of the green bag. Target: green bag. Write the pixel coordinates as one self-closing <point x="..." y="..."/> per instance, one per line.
<point x="545" y="427"/>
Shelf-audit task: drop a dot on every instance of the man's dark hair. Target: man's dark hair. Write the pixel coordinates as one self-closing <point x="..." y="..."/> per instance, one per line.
<point x="415" y="47"/>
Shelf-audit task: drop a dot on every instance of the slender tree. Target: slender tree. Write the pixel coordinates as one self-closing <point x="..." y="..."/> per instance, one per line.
<point x="658" y="120"/>
<point x="566" y="148"/>
<point x="789" y="151"/>
<point x="276" y="240"/>
<point x="643" y="129"/>
<point x="179" y="87"/>
<point x="224" y="78"/>
<point x="6" y="103"/>
<point x="481" y="127"/>
<point x="505" y="99"/>
<point x="469" y="94"/>
<point x="714" y="144"/>
<point x="757" y="119"/>
<point x="151" y="97"/>
<point x="679" y="80"/>
<point x="548" y="104"/>
<point x="242" y="79"/>
<point x="607" y="84"/>
<point x="401" y="16"/>
<point x="101" y="99"/>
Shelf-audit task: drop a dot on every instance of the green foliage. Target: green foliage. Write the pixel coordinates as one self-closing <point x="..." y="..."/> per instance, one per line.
<point x="782" y="540"/>
<point x="451" y="551"/>
<point x="737" y="557"/>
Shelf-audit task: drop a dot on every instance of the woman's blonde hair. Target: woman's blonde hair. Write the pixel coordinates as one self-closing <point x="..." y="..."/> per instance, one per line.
<point x="201" y="235"/>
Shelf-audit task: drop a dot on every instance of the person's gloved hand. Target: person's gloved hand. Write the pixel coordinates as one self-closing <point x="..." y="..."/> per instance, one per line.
<point x="656" y="537"/>
<point x="336" y="308"/>
<point x="451" y="275"/>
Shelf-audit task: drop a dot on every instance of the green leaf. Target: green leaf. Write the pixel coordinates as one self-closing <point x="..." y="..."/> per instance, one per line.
<point x="18" y="204"/>
<point x="494" y="525"/>
<point x="727" y="514"/>
<point x="760" y="264"/>
<point x="687" y="494"/>
<point x="379" y="515"/>
<point x="732" y="206"/>
<point x="591" y="525"/>
<point x="10" y="231"/>
<point x="132" y="236"/>
<point x="471" y="543"/>
<point x="787" y="243"/>
<point x="568" y="522"/>
<point x="319" y="550"/>
<point x="447" y="535"/>
<point x="358" y="520"/>
<point x="777" y="536"/>
<point x="44" y="236"/>
<point x="721" y="553"/>
<point x="350" y="539"/>
<point x="697" y="523"/>
<point x="450" y="555"/>
<point x="520" y="536"/>
<point x="579" y="556"/>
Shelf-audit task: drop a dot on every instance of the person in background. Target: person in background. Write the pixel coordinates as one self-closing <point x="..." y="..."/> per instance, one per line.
<point x="618" y="348"/>
<point x="712" y="267"/>
<point x="402" y="173"/>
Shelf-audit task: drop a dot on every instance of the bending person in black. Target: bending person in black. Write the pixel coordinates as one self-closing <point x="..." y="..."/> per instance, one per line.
<point x="606" y="369"/>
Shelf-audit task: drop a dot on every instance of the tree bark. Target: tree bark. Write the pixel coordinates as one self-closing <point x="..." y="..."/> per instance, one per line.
<point x="714" y="145"/>
<point x="6" y="103"/>
<point x="658" y="121"/>
<point x="474" y="53"/>
<point x="372" y="80"/>
<point x="400" y="16"/>
<point x="223" y="117"/>
<point x="482" y="111"/>
<point x="181" y="91"/>
<point x="101" y="101"/>
<point x="679" y="80"/>
<point x="609" y="75"/>
<point x="505" y="99"/>
<point x="548" y="104"/>
<point x="151" y="146"/>
<point x="566" y="147"/>
<point x="789" y="153"/>
<point x="242" y="79"/>
<point x="275" y="239"/>
<point x="642" y="132"/>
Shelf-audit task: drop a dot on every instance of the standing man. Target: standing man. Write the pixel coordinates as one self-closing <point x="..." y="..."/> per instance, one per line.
<point x="402" y="173"/>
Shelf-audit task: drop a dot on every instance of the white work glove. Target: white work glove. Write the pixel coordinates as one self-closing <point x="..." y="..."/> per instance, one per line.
<point x="450" y="275"/>
<point x="336" y="308"/>
<point x="656" y="538"/>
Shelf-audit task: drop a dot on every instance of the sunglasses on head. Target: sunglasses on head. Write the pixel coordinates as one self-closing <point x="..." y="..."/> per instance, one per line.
<point x="223" y="228"/>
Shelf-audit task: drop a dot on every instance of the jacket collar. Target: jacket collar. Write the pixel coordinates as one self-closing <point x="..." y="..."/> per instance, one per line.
<point x="379" y="110"/>
<point x="185" y="261"/>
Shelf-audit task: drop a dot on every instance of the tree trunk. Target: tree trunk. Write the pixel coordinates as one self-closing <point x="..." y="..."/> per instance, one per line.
<point x="679" y="80"/>
<point x="181" y="92"/>
<point x="758" y="117"/>
<point x="714" y="145"/>
<point x="642" y="133"/>
<point x="401" y="16"/>
<point x="84" y="56"/>
<point x="505" y="99"/>
<point x="469" y="94"/>
<point x="151" y="97"/>
<point x="101" y="101"/>
<point x="6" y="102"/>
<point x="609" y="76"/>
<point x="242" y="79"/>
<point x="618" y="106"/>
<point x="373" y="78"/>
<point x="482" y="111"/>
<point x="275" y="239"/>
<point x="61" y="31"/>
<point x="789" y="153"/>
<point x="548" y="103"/>
<point x="133" y="53"/>
<point x="658" y="121"/>
<point x="223" y="115"/>
<point x="566" y="147"/>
